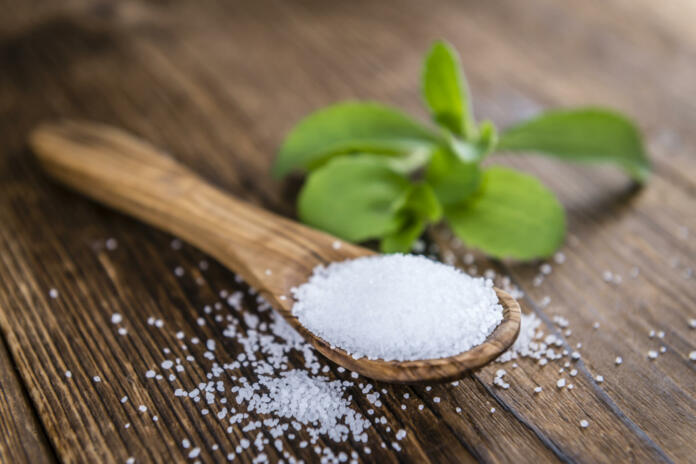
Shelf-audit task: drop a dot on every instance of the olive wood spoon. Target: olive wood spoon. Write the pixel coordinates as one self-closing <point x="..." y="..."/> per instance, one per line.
<point x="271" y="253"/>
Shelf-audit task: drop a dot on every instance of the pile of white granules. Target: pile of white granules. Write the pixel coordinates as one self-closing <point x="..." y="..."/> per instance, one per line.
<point x="398" y="307"/>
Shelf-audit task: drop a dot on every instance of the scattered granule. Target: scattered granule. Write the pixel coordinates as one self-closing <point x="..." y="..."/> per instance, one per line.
<point x="336" y="245"/>
<point x="179" y="271"/>
<point x="185" y="443"/>
<point x="661" y="334"/>
<point x="401" y="434"/>
<point x="111" y="244"/>
<point x="167" y="364"/>
<point x="126" y="425"/>
<point x="692" y="323"/>
<point x="307" y="400"/>
<point x="130" y="460"/>
<point x="384" y="307"/>
<point x="595" y="325"/>
<point x="195" y="452"/>
<point x="570" y="386"/>
<point x="124" y="399"/>
<point x="584" y="424"/>
<point x="663" y="349"/>
<point x="122" y="331"/>
<point x="559" y="257"/>
<point x="68" y="374"/>
<point x="599" y="379"/>
<point x="618" y="361"/>
<point x="573" y="372"/>
<point x="526" y="344"/>
<point x="116" y="318"/>
<point x="692" y="356"/>
<point x="436" y="399"/>
<point x="458" y="410"/>
<point x="537" y="389"/>
<point x="96" y="378"/>
<point x="652" y="354"/>
<point x="176" y="244"/>
<point x="492" y="410"/>
<point x="53" y="293"/>
<point x="561" y="383"/>
<point x="150" y="374"/>
<point x="142" y="408"/>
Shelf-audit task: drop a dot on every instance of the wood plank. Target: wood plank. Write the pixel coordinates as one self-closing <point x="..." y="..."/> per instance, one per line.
<point x="218" y="85"/>
<point x="22" y="439"/>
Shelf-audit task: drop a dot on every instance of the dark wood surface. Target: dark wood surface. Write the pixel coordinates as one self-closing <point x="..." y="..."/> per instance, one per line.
<point x="217" y="85"/>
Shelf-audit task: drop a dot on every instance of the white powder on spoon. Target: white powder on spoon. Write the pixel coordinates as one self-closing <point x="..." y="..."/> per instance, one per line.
<point x="397" y="307"/>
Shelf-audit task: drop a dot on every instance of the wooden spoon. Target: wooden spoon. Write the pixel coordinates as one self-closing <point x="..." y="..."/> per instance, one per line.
<point x="271" y="253"/>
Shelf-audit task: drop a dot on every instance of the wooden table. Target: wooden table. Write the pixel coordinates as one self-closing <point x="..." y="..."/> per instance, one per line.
<point x="218" y="84"/>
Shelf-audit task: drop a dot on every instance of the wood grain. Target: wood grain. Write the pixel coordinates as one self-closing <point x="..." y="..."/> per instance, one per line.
<point x="217" y="84"/>
<point x="22" y="439"/>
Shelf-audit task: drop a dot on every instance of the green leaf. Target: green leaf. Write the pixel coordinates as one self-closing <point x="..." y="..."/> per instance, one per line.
<point x="354" y="197"/>
<point x="422" y="202"/>
<point x="585" y="134"/>
<point x="445" y="90"/>
<point x="350" y="127"/>
<point x="451" y="179"/>
<point x="420" y="208"/>
<point x="511" y="216"/>
<point x="402" y="240"/>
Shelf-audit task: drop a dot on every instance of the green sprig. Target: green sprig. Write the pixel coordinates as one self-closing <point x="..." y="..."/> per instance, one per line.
<point x="376" y="173"/>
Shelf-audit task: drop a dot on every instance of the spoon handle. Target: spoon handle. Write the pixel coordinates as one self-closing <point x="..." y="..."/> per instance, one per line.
<point x="113" y="167"/>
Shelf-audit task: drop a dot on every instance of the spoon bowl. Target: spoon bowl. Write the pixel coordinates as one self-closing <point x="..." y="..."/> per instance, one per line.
<point x="273" y="254"/>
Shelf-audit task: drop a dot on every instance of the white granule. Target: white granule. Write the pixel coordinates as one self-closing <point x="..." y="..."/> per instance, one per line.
<point x="692" y="323"/>
<point x="150" y="374"/>
<point x="584" y="424"/>
<point x="492" y="410"/>
<point x="308" y="400"/>
<point x="194" y="453"/>
<point x="124" y="399"/>
<point x="68" y="374"/>
<point x="111" y="244"/>
<point x="526" y="344"/>
<point x="185" y="443"/>
<point x="538" y="389"/>
<point x="53" y="293"/>
<point x="122" y="331"/>
<point x="692" y="356"/>
<point x="561" y="383"/>
<point x="652" y="354"/>
<point x="116" y="318"/>
<point x="599" y="379"/>
<point x="397" y="307"/>
<point x="401" y="434"/>
<point x="96" y="378"/>
<point x="618" y="360"/>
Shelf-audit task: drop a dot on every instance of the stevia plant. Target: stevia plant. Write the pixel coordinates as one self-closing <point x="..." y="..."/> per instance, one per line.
<point x="376" y="173"/>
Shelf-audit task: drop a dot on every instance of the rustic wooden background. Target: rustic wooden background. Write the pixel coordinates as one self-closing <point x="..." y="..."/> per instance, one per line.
<point x="218" y="84"/>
